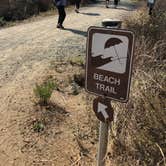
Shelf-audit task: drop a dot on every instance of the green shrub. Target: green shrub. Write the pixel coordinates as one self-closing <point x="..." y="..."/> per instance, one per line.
<point x="79" y="79"/>
<point x="77" y="60"/>
<point x="2" y="21"/>
<point x="44" y="91"/>
<point x="75" y="89"/>
<point x="38" y="126"/>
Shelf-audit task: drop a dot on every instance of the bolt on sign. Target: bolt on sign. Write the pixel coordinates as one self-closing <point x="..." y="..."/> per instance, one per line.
<point x="109" y="62"/>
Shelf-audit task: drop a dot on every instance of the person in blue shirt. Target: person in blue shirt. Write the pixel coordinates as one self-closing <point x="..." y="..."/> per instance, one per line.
<point x="60" y="4"/>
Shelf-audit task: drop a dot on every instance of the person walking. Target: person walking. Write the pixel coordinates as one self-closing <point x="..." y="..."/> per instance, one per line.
<point x="60" y="4"/>
<point x="106" y="3"/>
<point x="150" y="4"/>
<point x="77" y="5"/>
<point x="116" y="3"/>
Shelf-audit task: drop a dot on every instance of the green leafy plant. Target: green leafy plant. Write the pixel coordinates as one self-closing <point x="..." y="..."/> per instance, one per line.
<point x="38" y="126"/>
<point x="2" y="21"/>
<point x="79" y="78"/>
<point x="44" y="91"/>
<point x="77" y="60"/>
<point x="75" y="89"/>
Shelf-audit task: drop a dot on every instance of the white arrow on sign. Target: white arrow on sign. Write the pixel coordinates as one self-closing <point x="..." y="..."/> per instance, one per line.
<point x="102" y="109"/>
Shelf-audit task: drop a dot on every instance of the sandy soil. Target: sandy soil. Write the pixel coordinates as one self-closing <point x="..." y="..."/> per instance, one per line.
<point x="26" y="52"/>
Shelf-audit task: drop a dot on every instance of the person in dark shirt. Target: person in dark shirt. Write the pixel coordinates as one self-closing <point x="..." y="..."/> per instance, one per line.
<point x="77" y="5"/>
<point x="60" y="4"/>
<point x="116" y="3"/>
<point x="150" y="4"/>
<point x="106" y="3"/>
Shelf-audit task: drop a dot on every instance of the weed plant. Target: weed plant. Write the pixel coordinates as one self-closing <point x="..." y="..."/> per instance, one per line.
<point x="44" y="91"/>
<point x="77" y="60"/>
<point x="38" y="126"/>
<point x="2" y="21"/>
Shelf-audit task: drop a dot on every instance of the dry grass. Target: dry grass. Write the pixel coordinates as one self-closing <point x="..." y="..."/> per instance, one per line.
<point x="140" y="128"/>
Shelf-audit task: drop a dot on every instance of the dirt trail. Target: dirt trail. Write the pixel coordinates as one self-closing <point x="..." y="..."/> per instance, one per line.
<point x="26" y="51"/>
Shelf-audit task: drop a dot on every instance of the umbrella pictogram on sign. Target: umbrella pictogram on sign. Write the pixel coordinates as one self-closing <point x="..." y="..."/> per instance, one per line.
<point x="100" y="60"/>
<point x="112" y="42"/>
<point x="109" y="53"/>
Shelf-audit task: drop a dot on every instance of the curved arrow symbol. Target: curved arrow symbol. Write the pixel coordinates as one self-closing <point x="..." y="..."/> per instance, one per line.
<point x="102" y="108"/>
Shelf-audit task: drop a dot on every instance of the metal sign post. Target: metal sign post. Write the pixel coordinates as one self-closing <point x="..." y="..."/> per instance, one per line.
<point x="103" y="142"/>
<point x="104" y="112"/>
<point x="104" y="126"/>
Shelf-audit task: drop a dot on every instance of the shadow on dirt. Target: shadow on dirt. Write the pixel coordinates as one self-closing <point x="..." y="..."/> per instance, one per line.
<point x="82" y="33"/>
<point x="120" y="7"/>
<point x="52" y="112"/>
<point x="90" y="14"/>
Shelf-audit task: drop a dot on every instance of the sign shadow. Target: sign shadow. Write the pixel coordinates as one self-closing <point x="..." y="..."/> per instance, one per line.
<point x="90" y="14"/>
<point x="79" y="32"/>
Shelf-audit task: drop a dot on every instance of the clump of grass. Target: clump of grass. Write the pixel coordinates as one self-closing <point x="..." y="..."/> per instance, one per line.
<point x="77" y="82"/>
<point x="2" y="21"/>
<point x="79" y="79"/>
<point x="77" y="60"/>
<point x="38" y="126"/>
<point x="75" y="89"/>
<point x="44" y="91"/>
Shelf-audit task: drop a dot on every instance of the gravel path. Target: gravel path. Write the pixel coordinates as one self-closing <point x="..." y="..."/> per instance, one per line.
<point x="27" y="44"/>
<point x="26" y="51"/>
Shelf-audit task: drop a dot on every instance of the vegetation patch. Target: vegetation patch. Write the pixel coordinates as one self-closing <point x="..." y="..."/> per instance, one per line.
<point x="79" y="79"/>
<point x="44" y="91"/>
<point x="139" y="137"/>
<point x="38" y="126"/>
<point x="77" y="60"/>
<point x="2" y="21"/>
<point x="66" y="121"/>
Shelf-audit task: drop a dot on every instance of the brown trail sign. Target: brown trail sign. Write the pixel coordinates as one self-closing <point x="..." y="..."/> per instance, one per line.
<point x="109" y="62"/>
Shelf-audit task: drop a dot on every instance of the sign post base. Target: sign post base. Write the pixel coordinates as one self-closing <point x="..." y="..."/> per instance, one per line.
<point x="103" y="141"/>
